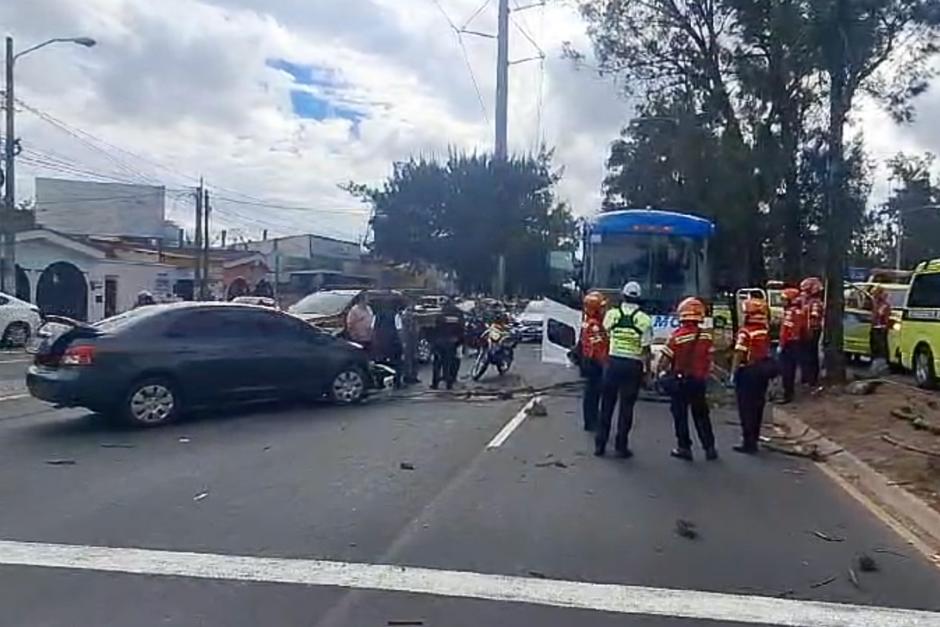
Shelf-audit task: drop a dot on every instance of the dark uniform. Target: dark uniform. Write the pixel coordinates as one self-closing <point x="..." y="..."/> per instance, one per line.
<point x="751" y="380"/>
<point x="689" y="350"/>
<point x="410" y="334"/>
<point x="791" y="347"/>
<point x="447" y="337"/>
<point x="630" y="337"/>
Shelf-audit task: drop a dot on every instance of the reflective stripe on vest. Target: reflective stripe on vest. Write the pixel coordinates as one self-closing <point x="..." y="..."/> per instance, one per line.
<point x="626" y="338"/>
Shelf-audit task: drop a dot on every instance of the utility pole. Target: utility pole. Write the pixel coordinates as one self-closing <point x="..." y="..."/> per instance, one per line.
<point x="502" y="80"/>
<point x="206" y="210"/>
<point x="197" y="245"/>
<point x="7" y="270"/>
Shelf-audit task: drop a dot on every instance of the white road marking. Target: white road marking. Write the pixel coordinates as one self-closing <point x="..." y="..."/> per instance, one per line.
<point x="13" y="397"/>
<point x="512" y="425"/>
<point x="15" y="361"/>
<point x="620" y="599"/>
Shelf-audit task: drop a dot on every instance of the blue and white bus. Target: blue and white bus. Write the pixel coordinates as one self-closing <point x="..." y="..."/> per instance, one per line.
<point x="664" y="251"/>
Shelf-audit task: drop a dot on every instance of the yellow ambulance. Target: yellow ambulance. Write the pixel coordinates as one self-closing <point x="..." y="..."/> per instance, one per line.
<point x="918" y="347"/>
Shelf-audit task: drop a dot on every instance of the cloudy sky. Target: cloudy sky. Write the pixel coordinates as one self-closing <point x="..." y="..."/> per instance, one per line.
<point x="279" y="101"/>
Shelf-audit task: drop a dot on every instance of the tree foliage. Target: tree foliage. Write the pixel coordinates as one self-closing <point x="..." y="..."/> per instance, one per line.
<point x="461" y="214"/>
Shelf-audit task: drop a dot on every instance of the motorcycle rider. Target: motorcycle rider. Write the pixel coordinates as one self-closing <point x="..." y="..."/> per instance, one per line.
<point x="631" y="335"/>
<point x="752" y="368"/>
<point x="811" y="289"/>
<point x="687" y="356"/>
<point x="448" y="336"/>
<point x="791" y="340"/>
<point x="593" y="349"/>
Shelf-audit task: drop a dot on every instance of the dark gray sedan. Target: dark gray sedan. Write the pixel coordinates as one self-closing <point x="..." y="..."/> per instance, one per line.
<point x="150" y="364"/>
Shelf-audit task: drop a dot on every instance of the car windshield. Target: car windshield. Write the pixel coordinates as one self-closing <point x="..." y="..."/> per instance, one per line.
<point x="323" y="303"/>
<point x="535" y="307"/>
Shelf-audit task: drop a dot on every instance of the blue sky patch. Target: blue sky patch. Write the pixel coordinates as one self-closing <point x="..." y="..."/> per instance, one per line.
<point x="319" y="98"/>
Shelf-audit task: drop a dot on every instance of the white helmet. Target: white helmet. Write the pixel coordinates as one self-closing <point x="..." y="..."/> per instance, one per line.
<point x="632" y="290"/>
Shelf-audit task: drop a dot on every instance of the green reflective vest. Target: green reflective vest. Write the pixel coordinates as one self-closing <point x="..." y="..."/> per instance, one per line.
<point x="627" y="332"/>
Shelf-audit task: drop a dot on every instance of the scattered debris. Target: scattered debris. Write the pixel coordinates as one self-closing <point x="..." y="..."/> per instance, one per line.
<point x="786" y="593"/>
<point x="867" y="563"/>
<point x="402" y="623"/>
<point x="200" y="496"/>
<point x="890" y="552"/>
<point x="853" y="577"/>
<point x="537" y="408"/>
<point x="909" y="447"/>
<point x="826" y="537"/>
<point x="353" y="545"/>
<point x="538" y="574"/>
<point x="505" y="395"/>
<point x="406" y="466"/>
<point x="824" y="582"/>
<point x="862" y="388"/>
<point x="267" y="448"/>
<point x="794" y="471"/>
<point x="557" y="463"/>
<point x="900" y="483"/>
<point x="183" y="440"/>
<point x="686" y="529"/>
<point x="117" y="445"/>
<point x="61" y="462"/>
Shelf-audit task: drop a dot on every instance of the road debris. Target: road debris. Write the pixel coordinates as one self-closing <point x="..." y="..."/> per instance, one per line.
<point x="402" y="623"/>
<point x="824" y="582"/>
<point x="406" y="466"/>
<point x="794" y="471"/>
<point x="890" y="552"/>
<point x="557" y="463"/>
<point x="827" y="537"/>
<point x="117" y="445"/>
<point x="61" y="462"/>
<point x="853" y="577"/>
<point x="183" y="440"/>
<point x="200" y="496"/>
<point x="537" y="574"/>
<point x="909" y="447"/>
<point x="537" y="408"/>
<point x="867" y="564"/>
<point x="686" y="529"/>
<point x="863" y="387"/>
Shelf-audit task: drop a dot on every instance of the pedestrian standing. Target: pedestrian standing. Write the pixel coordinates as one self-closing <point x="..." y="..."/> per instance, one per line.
<point x="811" y="293"/>
<point x="410" y="335"/>
<point x="360" y="322"/>
<point x="687" y="358"/>
<point x="593" y="347"/>
<point x="752" y="368"/>
<point x="631" y="335"/>
<point x="878" y="336"/>
<point x="386" y="339"/>
<point x="791" y="340"/>
<point x="447" y="337"/>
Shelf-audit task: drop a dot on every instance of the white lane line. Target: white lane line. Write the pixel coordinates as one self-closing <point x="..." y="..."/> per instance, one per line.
<point x="13" y="397"/>
<point x="15" y="361"/>
<point x="620" y="599"/>
<point x="512" y="425"/>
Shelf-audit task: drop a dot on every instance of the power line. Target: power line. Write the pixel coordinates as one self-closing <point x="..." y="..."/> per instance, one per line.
<point x="466" y="57"/>
<point x="292" y="207"/>
<point x="476" y="14"/>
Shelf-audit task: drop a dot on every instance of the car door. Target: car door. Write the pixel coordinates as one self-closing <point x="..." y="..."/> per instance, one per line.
<point x="315" y="356"/>
<point x="857" y="321"/>
<point x="291" y="354"/>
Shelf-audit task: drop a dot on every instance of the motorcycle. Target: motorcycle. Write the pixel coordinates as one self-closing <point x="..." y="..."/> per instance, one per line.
<point x="498" y="349"/>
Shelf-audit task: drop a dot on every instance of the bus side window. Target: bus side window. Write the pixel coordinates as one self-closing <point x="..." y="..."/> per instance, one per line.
<point x="925" y="291"/>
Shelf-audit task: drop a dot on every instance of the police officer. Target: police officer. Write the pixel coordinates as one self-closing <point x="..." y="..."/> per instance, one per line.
<point x="752" y="368"/>
<point x="593" y="350"/>
<point x="410" y="335"/>
<point x="811" y="291"/>
<point x="687" y="357"/>
<point x="791" y="340"/>
<point x="631" y="334"/>
<point x="448" y="336"/>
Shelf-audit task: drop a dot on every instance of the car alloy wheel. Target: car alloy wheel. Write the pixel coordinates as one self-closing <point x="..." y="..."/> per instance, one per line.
<point x="152" y="403"/>
<point x="348" y="387"/>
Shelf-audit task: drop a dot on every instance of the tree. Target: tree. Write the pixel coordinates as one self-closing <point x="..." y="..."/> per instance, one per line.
<point x="463" y="213"/>
<point x="857" y="40"/>
<point x="913" y="210"/>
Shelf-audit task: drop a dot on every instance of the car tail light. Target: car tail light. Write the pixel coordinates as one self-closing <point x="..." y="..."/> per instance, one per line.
<point x="82" y="355"/>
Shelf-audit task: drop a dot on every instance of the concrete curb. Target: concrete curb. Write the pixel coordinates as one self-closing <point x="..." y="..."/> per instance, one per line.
<point x="911" y="517"/>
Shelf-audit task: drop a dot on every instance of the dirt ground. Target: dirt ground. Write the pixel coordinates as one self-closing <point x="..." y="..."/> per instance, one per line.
<point x="902" y="413"/>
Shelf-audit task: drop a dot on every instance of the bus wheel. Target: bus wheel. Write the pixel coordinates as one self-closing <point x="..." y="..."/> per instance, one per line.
<point x="924" y="372"/>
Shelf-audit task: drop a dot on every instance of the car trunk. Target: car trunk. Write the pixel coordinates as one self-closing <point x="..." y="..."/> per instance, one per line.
<point x="54" y="337"/>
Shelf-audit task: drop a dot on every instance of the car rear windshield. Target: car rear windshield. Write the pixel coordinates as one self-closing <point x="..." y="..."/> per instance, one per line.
<point x="322" y="303"/>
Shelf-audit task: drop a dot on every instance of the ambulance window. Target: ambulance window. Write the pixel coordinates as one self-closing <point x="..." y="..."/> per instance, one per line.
<point x="925" y="291"/>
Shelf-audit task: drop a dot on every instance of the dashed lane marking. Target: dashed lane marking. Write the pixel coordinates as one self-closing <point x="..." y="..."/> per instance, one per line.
<point x="512" y="425"/>
<point x="12" y="397"/>
<point x="619" y="599"/>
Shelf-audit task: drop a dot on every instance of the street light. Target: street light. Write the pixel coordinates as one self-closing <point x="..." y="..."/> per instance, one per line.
<point x="9" y="190"/>
<point x="897" y="248"/>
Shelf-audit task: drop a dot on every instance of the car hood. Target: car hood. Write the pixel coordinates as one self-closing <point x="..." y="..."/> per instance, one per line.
<point x="530" y="318"/>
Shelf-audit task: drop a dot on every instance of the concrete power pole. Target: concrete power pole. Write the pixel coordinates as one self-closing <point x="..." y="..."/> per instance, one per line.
<point x="197" y="246"/>
<point x="502" y="113"/>
<point x="206" y="210"/>
<point x="8" y="268"/>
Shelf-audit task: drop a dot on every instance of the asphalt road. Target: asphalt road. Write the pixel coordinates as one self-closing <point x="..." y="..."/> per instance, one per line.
<point x="519" y="534"/>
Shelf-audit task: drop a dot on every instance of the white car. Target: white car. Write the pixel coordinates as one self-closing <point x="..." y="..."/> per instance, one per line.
<point x="18" y="320"/>
<point x="529" y="322"/>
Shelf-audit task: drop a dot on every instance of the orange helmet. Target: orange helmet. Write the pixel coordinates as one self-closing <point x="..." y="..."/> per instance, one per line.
<point x="594" y="303"/>
<point x="755" y="310"/>
<point x="691" y="309"/>
<point x="790" y="294"/>
<point x="811" y="285"/>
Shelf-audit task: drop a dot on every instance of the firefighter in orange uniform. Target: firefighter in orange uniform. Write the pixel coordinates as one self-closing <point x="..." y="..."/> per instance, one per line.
<point x="878" y="336"/>
<point x="791" y="340"/>
<point x="687" y="357"/>
<point x="811" y="290"/>
<point x="752" y="369"/>
<point x="594" y="346"/>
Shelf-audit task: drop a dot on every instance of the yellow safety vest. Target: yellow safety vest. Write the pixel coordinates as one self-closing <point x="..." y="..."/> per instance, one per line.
<point x="626" y="333"/>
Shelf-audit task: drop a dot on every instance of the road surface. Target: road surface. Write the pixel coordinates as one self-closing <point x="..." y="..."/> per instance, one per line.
<point x="289" y="516"/>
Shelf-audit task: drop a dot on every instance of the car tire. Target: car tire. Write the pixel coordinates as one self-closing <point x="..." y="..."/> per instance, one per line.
<point x="16" y="334"/>
<point x="348" y="387"/>
<point x="151" y="402"/>
<point x="924" y="373"/>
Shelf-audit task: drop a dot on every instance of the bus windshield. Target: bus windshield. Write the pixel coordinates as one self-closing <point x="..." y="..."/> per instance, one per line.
<point x="667" y="267"/>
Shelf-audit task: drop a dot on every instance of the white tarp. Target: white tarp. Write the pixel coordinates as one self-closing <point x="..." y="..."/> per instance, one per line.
<point x="557" y="314"/>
